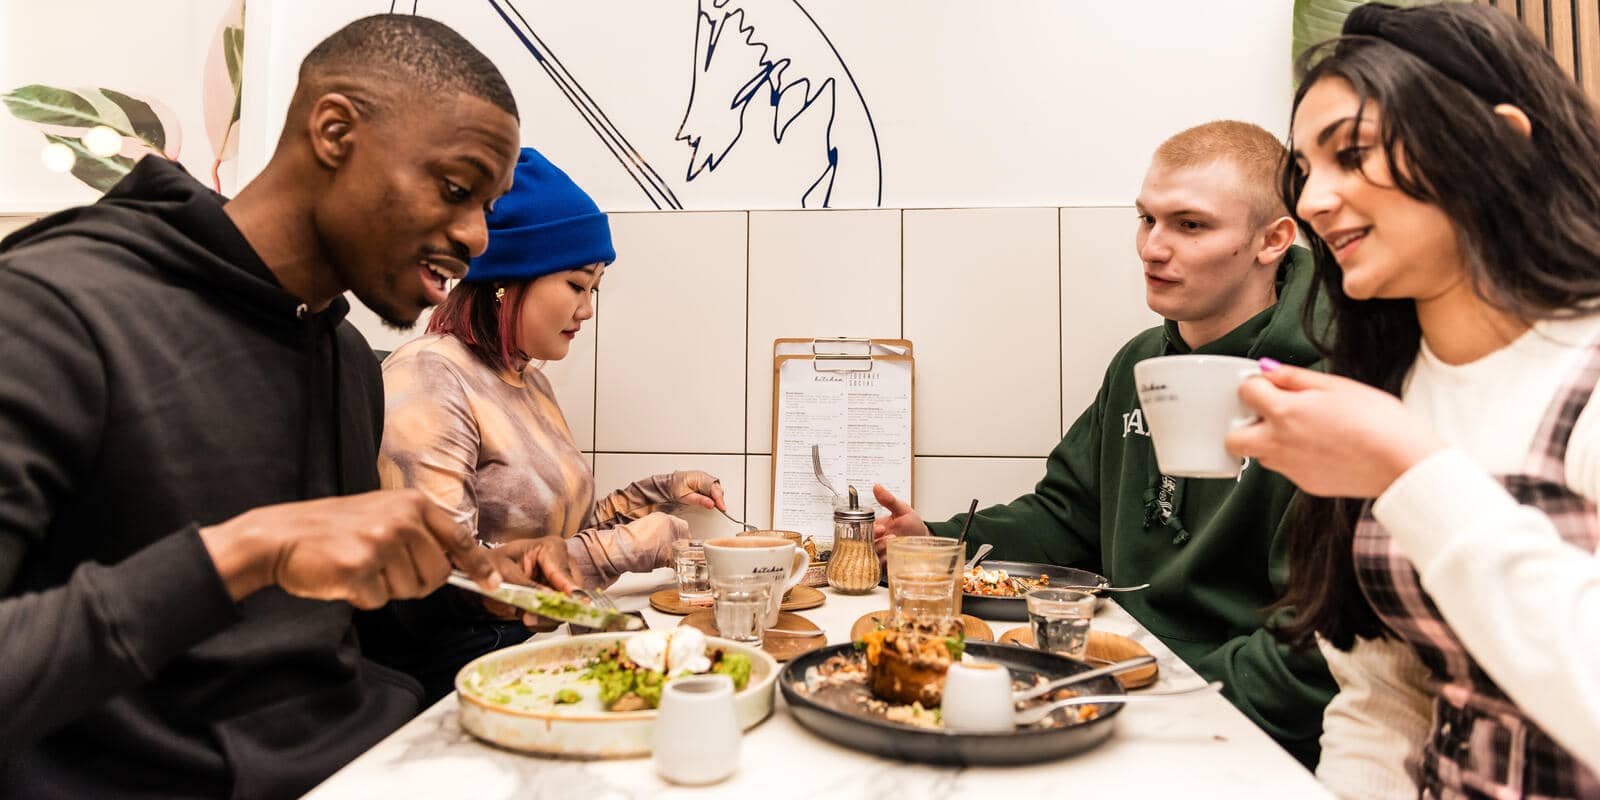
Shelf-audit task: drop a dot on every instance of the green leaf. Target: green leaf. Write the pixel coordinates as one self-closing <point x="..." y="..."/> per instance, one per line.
<point x="48" y="105"/>
<point x="100" y="173"/>
<point x="233" y="51"/>
<point x="111" y="115"/>
<point x="1316" y="21"/>
<point x="142" y="119"/>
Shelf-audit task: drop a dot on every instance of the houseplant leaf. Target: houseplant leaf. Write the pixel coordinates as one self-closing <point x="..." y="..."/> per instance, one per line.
<point x="142" y="119"/>
<point x="99" y="172"/>
<point x="222" y="88"/>
<point x="48" y="105"/>
<point x="1317" y="21"/>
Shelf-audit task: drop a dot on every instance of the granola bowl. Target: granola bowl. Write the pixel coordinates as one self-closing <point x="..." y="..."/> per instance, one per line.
<point x="539" y="697"/>
<point x="846" y="713"/>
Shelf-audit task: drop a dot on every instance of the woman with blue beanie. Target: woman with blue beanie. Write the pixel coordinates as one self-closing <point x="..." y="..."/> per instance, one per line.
<point x="472" y="422"/>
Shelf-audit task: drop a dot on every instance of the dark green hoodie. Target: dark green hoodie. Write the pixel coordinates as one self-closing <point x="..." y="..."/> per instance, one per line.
<point x="1213" y="551"/>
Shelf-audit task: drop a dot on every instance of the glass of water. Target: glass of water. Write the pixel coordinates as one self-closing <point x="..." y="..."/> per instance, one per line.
<point x="694" y="577"/>
<point x="1060" y="620"/>
<point x="924" y="577"/>
<point x="740" y="602"/>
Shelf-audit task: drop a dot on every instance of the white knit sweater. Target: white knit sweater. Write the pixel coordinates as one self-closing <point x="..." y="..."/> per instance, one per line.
<point x="1525" y="603"/>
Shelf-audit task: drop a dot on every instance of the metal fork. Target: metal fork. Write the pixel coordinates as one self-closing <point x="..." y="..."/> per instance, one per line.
<point x="600" y="599"/>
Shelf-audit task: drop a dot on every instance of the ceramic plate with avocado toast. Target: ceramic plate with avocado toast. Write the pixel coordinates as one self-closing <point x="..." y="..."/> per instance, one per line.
<point x="593" y="696"/>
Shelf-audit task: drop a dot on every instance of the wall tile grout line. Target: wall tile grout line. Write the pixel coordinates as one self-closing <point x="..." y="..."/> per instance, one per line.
<point x="744" y="463"/>
<point x="1061" y="329"/>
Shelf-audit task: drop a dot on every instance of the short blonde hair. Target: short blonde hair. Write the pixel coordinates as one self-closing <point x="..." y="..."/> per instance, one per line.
<point x="1258" y="155"/>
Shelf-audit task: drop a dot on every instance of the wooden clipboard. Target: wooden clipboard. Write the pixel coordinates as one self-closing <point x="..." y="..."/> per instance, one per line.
<point x="853" y="398"/>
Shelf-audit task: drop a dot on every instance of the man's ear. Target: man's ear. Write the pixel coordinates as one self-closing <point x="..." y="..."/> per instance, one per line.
<point x="332" y="120"/>
<point x="1276" y="238"/>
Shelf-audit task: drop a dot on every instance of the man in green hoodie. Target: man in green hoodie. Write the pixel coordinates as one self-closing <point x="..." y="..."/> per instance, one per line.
<point x="1221" y="268"/>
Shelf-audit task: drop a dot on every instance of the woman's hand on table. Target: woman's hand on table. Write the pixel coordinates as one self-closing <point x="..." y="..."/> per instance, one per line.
<point x="903" y="520"/>
<point x="1331" y="436"/>
<point x="696" y="488"/>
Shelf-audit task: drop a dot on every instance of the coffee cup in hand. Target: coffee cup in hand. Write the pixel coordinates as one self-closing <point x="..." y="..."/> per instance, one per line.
<point x="1189" y="404"/>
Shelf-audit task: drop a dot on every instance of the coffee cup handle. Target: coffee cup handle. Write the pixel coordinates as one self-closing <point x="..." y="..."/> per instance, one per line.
<point x="1250" y="417"/>
<point x="801" y="564"/>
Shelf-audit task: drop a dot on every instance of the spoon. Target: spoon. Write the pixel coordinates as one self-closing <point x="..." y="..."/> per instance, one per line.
<point x="1029" y="716"/>
<point x="747" y="526"/>
<point x="1044" y="689"/>
<point x="816" y="467"/>
<point x="789" y="632"/>
<point x="1105" y="588"/>
<point x="978" y="557"/>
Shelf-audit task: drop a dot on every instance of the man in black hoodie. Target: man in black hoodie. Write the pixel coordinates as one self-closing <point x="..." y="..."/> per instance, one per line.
<point x="189" y="431"/>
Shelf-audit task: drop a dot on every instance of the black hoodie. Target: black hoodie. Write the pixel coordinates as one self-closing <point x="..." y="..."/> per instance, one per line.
<point x="155" y="378"/>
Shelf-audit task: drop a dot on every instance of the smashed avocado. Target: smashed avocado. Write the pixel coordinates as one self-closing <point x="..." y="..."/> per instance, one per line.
<point x="735" y="666"/>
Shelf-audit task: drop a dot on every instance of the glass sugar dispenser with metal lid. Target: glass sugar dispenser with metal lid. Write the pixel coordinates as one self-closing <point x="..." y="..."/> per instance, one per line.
<point x="853" y="568"/>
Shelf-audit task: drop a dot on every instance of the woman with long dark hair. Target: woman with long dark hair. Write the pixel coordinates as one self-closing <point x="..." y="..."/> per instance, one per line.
<point x="1446" y="174"/>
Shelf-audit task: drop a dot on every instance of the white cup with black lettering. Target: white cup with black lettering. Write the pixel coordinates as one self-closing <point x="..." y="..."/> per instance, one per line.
<point x="1190" y="403"/>
<point x="759" y="555"/>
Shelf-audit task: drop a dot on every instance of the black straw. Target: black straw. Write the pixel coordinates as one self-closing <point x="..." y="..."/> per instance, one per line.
<point x="962" y="539"/>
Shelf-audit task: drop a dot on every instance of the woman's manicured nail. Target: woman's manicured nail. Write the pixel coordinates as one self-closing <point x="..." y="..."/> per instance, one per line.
<point x="1269" y="364"/>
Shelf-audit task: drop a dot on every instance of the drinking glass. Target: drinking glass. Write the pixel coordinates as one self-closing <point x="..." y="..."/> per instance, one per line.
<point x="694" y="578"/>
<point x="1060" y="620"/>
<point x="924" y="577"/>
<point x="740" y="603"/>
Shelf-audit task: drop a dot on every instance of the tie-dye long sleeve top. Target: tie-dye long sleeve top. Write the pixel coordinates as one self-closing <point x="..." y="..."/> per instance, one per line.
<point x="494" y="449"/>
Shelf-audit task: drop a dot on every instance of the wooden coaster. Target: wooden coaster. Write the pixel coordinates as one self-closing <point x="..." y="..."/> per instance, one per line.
<point x="976" y="629"/>
<point x="1103" y="645"/>
<point x="799" y="598"/>
<point x="778" y="645"/>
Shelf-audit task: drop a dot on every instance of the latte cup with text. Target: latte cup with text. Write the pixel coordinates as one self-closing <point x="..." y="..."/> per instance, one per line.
<point x="1190" y="403"/>
<point x="759" y="555"/>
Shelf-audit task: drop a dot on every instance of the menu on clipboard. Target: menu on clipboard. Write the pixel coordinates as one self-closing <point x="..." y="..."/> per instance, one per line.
<point x="851" y="398"/>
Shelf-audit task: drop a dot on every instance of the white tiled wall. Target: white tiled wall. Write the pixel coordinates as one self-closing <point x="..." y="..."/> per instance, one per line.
<point x="1014" y="313"/>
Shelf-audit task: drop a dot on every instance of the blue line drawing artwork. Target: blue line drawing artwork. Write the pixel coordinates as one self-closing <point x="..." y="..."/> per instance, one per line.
<point x="771" y="53"/>
<point x="750" y="56"/>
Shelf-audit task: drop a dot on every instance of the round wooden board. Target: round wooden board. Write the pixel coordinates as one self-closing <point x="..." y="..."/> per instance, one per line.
<point x="778" y="645"/>
<point x="976" y="629"/>
<point x="1102" y="645"/>
<point x="799" y="598"/>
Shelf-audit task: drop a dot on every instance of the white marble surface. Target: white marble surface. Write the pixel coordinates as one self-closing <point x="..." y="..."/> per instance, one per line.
<point x="1195" y="747"/>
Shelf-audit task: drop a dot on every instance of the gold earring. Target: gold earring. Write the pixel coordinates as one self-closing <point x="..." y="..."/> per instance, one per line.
<point x="499" y="294"/>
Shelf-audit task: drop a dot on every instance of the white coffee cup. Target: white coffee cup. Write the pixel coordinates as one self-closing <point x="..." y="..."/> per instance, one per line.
<point x="696" y="738"/>
<point x="759" y="555"/>
<point x="1189" y="404"/>
<point x="977" y="697"/>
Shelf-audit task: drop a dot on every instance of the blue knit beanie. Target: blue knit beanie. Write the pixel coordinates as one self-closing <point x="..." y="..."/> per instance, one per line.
<point x="544" y="224"/>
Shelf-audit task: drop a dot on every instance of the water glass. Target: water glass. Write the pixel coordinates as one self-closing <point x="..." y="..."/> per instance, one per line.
<point x="924" y="577"/>
<point x="740" y="603"/>
<point x="1060" y="620"/>
<point x="694" y="577"/>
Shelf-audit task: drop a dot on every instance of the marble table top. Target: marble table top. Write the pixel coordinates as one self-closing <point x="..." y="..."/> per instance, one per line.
<point x="1194" y="747"/>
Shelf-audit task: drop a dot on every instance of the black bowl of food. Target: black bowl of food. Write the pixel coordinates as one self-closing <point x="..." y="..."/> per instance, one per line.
<point x="831" y="693"/>
<point x="994" y="589"/>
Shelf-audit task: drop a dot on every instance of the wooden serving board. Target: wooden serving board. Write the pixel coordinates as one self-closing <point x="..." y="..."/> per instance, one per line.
<point x="976" y="629"/>
<point x="799" y="598"/>
<point x="1103" y="645"/>
<point x="780" y="646"/>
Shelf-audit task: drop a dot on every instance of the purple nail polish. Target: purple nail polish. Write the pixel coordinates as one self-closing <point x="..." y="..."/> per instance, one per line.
<point x="1269" y="364"/>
